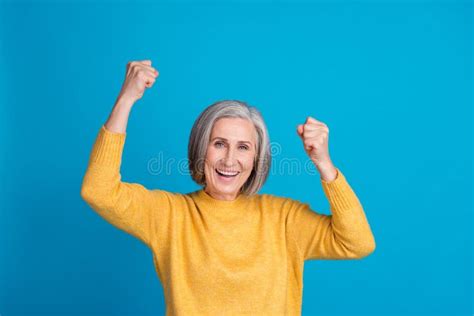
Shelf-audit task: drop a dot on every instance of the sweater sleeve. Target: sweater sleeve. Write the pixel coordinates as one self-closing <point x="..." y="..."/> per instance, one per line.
<point x="345" y="234"/>
<point x="130" y="207"/>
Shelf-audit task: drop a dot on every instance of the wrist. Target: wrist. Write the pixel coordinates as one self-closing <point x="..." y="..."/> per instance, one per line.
<point x="124" y="102"/>
<point x="327" y="170"/>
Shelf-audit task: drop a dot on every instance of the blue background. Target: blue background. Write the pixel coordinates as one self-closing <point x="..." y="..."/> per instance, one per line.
<point x="392" y="80"/>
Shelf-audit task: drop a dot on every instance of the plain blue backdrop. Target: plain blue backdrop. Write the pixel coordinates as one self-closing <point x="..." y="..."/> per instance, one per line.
<point x="392" y="80"/>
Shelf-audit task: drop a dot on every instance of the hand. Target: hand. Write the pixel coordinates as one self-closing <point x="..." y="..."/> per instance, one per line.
<point x="140" y="75"/>
<point x="315" y="137"/>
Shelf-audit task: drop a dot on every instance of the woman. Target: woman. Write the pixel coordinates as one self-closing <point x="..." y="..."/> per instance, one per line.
<point x="224" y="249"/>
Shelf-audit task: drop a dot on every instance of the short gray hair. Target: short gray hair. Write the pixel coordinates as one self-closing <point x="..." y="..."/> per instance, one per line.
<point x="201" y="133"/>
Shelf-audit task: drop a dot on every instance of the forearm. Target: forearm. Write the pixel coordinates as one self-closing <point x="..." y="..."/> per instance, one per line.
<point x="118" y="118"/>
<point x="327" y="170"/>
<point x="349" y="223"/>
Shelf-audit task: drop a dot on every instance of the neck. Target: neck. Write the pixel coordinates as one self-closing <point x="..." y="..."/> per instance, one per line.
<point x="223" y="197"/>
<point x="237" y="204"/>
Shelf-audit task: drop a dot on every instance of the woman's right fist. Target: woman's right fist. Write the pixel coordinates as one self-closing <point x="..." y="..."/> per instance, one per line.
<point x="140" y="75"/>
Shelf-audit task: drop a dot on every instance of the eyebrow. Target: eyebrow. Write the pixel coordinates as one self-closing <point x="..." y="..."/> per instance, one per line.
<point x="225" y="139"/>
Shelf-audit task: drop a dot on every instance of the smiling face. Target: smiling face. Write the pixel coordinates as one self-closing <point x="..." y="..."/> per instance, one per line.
<point x="229" y="157"/>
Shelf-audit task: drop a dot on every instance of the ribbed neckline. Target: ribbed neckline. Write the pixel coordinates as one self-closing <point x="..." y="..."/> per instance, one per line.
<point x="236" y="204"/>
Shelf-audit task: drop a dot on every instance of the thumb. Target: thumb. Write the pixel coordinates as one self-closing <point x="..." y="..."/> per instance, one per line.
<point x="146" y="62"/>
<point x="299" y="130"/>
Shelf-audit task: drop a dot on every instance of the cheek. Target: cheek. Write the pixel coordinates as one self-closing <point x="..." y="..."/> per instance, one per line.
<point x="248" y="162"/>
<point x="211" y="155"/>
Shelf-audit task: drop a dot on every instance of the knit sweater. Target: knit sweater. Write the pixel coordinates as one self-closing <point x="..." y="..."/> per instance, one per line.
<point x="218" y="257"/>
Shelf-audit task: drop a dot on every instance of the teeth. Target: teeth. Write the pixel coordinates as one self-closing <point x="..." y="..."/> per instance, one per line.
<point x="227" y="173"/>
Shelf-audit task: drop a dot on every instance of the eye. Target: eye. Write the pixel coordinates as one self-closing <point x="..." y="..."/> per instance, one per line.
<point x="243" y="147"/>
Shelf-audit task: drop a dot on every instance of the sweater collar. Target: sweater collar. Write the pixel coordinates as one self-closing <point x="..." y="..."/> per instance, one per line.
<point x="240" y="201"/>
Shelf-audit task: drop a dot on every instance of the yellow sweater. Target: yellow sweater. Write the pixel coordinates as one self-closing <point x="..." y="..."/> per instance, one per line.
<point x="215" y="257"/>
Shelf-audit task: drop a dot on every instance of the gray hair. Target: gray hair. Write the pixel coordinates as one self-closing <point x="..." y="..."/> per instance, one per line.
<point x="201" y="133"/>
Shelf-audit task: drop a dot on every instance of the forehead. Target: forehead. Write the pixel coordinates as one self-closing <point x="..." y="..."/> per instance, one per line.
<point x="234" y="129"/>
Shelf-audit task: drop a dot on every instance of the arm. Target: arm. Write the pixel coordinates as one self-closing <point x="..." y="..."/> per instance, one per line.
<point x="345" y="234"/>
<point x="118" y="118"/>
<point x="128" y="206"/>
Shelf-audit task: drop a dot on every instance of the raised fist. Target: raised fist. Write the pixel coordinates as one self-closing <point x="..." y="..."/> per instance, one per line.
<point x="140" y="75"/>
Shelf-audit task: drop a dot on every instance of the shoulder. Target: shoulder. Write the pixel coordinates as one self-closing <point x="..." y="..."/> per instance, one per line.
<point x="169" y="197"/>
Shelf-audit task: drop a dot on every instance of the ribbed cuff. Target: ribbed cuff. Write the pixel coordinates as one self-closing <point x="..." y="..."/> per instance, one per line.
<point x="108" y="148"/>
<point x="339" y="193"/>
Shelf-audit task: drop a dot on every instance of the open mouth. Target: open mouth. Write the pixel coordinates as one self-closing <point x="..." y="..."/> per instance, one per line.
<point x="227" y="174"/>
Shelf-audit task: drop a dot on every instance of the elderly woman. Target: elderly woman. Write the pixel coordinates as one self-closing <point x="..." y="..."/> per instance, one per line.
<point x="225" y="249"/>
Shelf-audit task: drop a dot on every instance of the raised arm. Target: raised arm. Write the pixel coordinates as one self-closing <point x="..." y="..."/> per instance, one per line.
<point x="129" y="206"/>
<point x="345" y="234"/>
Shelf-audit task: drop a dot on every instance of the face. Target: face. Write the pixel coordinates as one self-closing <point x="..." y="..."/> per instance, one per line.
<point x="230" y="157"/>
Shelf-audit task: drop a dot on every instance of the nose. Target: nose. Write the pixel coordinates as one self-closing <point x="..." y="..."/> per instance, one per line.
<point x="229" y="157"/>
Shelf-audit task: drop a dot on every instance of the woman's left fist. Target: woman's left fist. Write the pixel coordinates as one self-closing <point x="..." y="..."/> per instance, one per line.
<point x="315" y="136"/>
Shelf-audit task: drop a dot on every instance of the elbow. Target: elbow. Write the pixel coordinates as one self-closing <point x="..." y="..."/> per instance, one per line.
<point x="357" y="250"/>
<point x="99" y="192"/>
<point x="95" y="199"/>
<point x="86" y="193"/>
<point x="98" y="196"/>
<point x="89" y="190"/>
<point x="87" y="187"/>
<point x="366" y="249"/>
